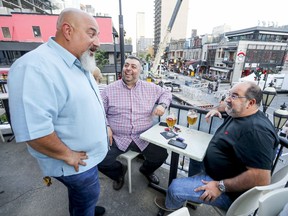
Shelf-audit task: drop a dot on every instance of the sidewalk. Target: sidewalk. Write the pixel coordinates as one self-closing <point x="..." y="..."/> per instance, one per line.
<point x="22" y="192"/>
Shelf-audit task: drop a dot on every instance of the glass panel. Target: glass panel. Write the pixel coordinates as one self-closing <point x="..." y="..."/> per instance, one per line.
<point x="36" y="31"/>
<point x="6" y="32"/>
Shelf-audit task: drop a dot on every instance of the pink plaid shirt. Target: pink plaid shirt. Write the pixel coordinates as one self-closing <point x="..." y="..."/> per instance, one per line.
<point x="129" y="112"/>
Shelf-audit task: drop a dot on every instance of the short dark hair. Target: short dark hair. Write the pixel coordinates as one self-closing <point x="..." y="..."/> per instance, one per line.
<point x="254" y="91"/>
<point x="134" y="57"/>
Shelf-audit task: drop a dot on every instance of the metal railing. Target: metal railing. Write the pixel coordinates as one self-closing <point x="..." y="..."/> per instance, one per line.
<point x="181" y="113"/>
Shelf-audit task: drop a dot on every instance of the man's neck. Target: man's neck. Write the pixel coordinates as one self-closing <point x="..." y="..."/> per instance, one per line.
<point x="130" y="85"/>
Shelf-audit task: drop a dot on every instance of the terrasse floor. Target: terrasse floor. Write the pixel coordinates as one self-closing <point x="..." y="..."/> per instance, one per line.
<point x="23" y="193"/>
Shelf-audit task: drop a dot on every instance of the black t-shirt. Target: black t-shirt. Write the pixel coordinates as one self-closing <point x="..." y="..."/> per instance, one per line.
<point x="239" y="143"/>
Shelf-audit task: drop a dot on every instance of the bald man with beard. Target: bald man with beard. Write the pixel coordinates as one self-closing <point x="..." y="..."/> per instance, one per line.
<point x="49" y="112"/>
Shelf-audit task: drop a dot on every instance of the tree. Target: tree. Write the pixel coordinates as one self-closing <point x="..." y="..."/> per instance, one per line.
<point x="101" y="58"/>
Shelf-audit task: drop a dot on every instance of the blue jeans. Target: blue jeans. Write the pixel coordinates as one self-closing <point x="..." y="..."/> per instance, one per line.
<point x="83" y="192"/>
<point x="182" y="189"/>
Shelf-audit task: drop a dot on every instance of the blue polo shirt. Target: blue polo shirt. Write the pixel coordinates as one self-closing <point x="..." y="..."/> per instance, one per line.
<point x="50" y="91"/>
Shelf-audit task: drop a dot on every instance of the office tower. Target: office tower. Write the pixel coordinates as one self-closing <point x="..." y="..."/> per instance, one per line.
<point x="163" y="10"/>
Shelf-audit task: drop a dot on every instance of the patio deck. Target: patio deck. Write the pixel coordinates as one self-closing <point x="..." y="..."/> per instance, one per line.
<point x="23" y="193"/>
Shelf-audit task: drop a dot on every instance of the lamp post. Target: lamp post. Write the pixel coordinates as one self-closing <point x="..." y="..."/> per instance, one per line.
<point x="115" y="35"/>
<point x="269" y="94"/>
<point x="280" y="117"/>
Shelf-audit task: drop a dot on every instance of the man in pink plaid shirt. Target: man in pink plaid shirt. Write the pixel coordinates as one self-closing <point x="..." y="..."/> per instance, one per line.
<point x="130" y="105"/>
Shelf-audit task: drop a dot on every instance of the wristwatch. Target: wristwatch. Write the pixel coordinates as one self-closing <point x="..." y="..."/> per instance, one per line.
<point x="221" y="186"/>
<point x="163" y="105"/>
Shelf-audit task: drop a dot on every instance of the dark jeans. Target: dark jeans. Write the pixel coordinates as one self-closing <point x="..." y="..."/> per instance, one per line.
<point x="83" y="192"/>
<point x="154" y="156"/>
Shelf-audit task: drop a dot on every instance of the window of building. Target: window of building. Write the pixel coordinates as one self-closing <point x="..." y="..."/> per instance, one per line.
<point x="6" y="32"/>
<point x="36" y="31"/>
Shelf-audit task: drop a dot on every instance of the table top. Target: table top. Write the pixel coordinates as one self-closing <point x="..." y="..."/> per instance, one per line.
<point x="3" y="96"/>
<point x="197" y="141"/>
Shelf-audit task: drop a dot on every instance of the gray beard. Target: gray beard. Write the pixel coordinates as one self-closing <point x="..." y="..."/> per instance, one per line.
<point x="88" y="62"/>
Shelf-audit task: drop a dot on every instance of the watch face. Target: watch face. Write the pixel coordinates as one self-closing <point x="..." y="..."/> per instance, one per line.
<point x="222" y="186"/>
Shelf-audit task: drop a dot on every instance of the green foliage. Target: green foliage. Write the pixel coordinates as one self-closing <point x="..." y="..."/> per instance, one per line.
<point x="3" y="118"/>
<point x="148" y="57"/>
<point x="101" y="58"/>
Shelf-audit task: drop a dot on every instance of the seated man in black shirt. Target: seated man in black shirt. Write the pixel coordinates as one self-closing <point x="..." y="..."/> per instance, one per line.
<point x="239" y="156"/>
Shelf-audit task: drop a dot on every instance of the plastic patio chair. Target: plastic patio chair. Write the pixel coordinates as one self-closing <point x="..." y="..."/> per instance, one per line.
<point x="129" y="156"/>
<point x="180" y="212"/>
<point x="247" y="203"/>
<point x="272" y="203"/>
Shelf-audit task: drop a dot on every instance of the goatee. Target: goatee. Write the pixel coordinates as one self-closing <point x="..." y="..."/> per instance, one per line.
<point x="88" y="62"/>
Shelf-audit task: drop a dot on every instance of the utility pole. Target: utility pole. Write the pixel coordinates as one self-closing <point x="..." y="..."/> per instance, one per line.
<point x="121" y="34"/>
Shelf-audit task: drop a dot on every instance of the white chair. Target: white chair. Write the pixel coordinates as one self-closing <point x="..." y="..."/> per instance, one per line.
<point x="272" y="203"/>
<point x="180" y="212"/>
<point x="247" y="203"/>
<point x="129" y="156"/>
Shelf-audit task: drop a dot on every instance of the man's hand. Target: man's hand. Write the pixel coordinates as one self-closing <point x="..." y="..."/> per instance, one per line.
<point x="53" y="147"/>
<point x="211" y="113"/>
<point x="76" y="158"/>
<point x="110" y="135"/>
<point x="159" y="110"/>
<point x="211" y="191"/>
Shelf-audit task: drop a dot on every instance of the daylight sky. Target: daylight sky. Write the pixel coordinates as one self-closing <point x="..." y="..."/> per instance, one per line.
<point x="203" y="15"/>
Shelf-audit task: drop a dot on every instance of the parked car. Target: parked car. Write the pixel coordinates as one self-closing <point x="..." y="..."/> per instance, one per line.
<point x="171" y="86"/>
<point x="188" y="83"/>
<point x="172" y="76"/>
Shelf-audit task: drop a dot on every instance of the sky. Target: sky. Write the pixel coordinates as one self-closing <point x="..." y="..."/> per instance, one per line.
<point x="203" y="15"/>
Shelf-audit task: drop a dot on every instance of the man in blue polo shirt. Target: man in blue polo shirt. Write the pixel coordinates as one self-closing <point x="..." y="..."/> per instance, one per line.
<point x="56" y="108"/>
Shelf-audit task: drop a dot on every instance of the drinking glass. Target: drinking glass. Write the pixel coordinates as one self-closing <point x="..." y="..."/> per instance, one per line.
<point x="171" y="121"/>
<point x="192" y="117"/>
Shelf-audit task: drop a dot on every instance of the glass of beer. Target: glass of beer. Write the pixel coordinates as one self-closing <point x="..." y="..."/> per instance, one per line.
<point x="192" y="117"/>
<point x="171" y="121"/>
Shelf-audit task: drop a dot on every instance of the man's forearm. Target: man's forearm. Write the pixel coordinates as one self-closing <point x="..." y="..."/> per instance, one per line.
<point x="51" y="146"/>
<point x="248" y="179"/>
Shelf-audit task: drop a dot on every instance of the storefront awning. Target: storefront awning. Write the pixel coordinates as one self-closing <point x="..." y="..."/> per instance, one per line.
<point x="220" y="69"/>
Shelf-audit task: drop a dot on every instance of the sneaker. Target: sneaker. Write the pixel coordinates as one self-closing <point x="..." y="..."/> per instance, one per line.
<point x="160" y="202"/>
<point x="118" y="184"/>
<point x="99" y="211"/>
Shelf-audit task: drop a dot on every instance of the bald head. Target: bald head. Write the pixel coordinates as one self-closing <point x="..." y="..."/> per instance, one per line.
<point x="252" y="91"/>
<point x="77" y="32"/>
<point x="72" y="16"/>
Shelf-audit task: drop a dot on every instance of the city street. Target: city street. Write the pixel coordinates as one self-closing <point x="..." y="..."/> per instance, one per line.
<point x="215" y="97"/>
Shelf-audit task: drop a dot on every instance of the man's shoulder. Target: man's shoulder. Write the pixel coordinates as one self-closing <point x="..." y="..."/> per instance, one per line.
<point x="146" y="84"/>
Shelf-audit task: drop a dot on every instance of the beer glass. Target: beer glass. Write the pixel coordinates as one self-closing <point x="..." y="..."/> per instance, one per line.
<point x="192" y="117"/>
<point x="171" y="121"/>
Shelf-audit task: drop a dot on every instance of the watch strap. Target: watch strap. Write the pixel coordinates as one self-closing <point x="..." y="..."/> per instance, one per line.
<point x="163" y="105"/>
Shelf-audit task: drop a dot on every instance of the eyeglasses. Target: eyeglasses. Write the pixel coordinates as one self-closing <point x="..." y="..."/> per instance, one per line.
<point x="234" y="96"/>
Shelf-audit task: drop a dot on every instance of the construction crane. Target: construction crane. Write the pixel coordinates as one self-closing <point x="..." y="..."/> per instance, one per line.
<point x="166" y="38"/>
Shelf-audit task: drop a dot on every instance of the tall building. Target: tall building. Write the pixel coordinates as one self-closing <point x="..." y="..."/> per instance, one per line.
<point x="163" y="10"/>
<point x="140" y="24"/>
<point x="35" y="6"/>
<point x="143" y="43"/>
